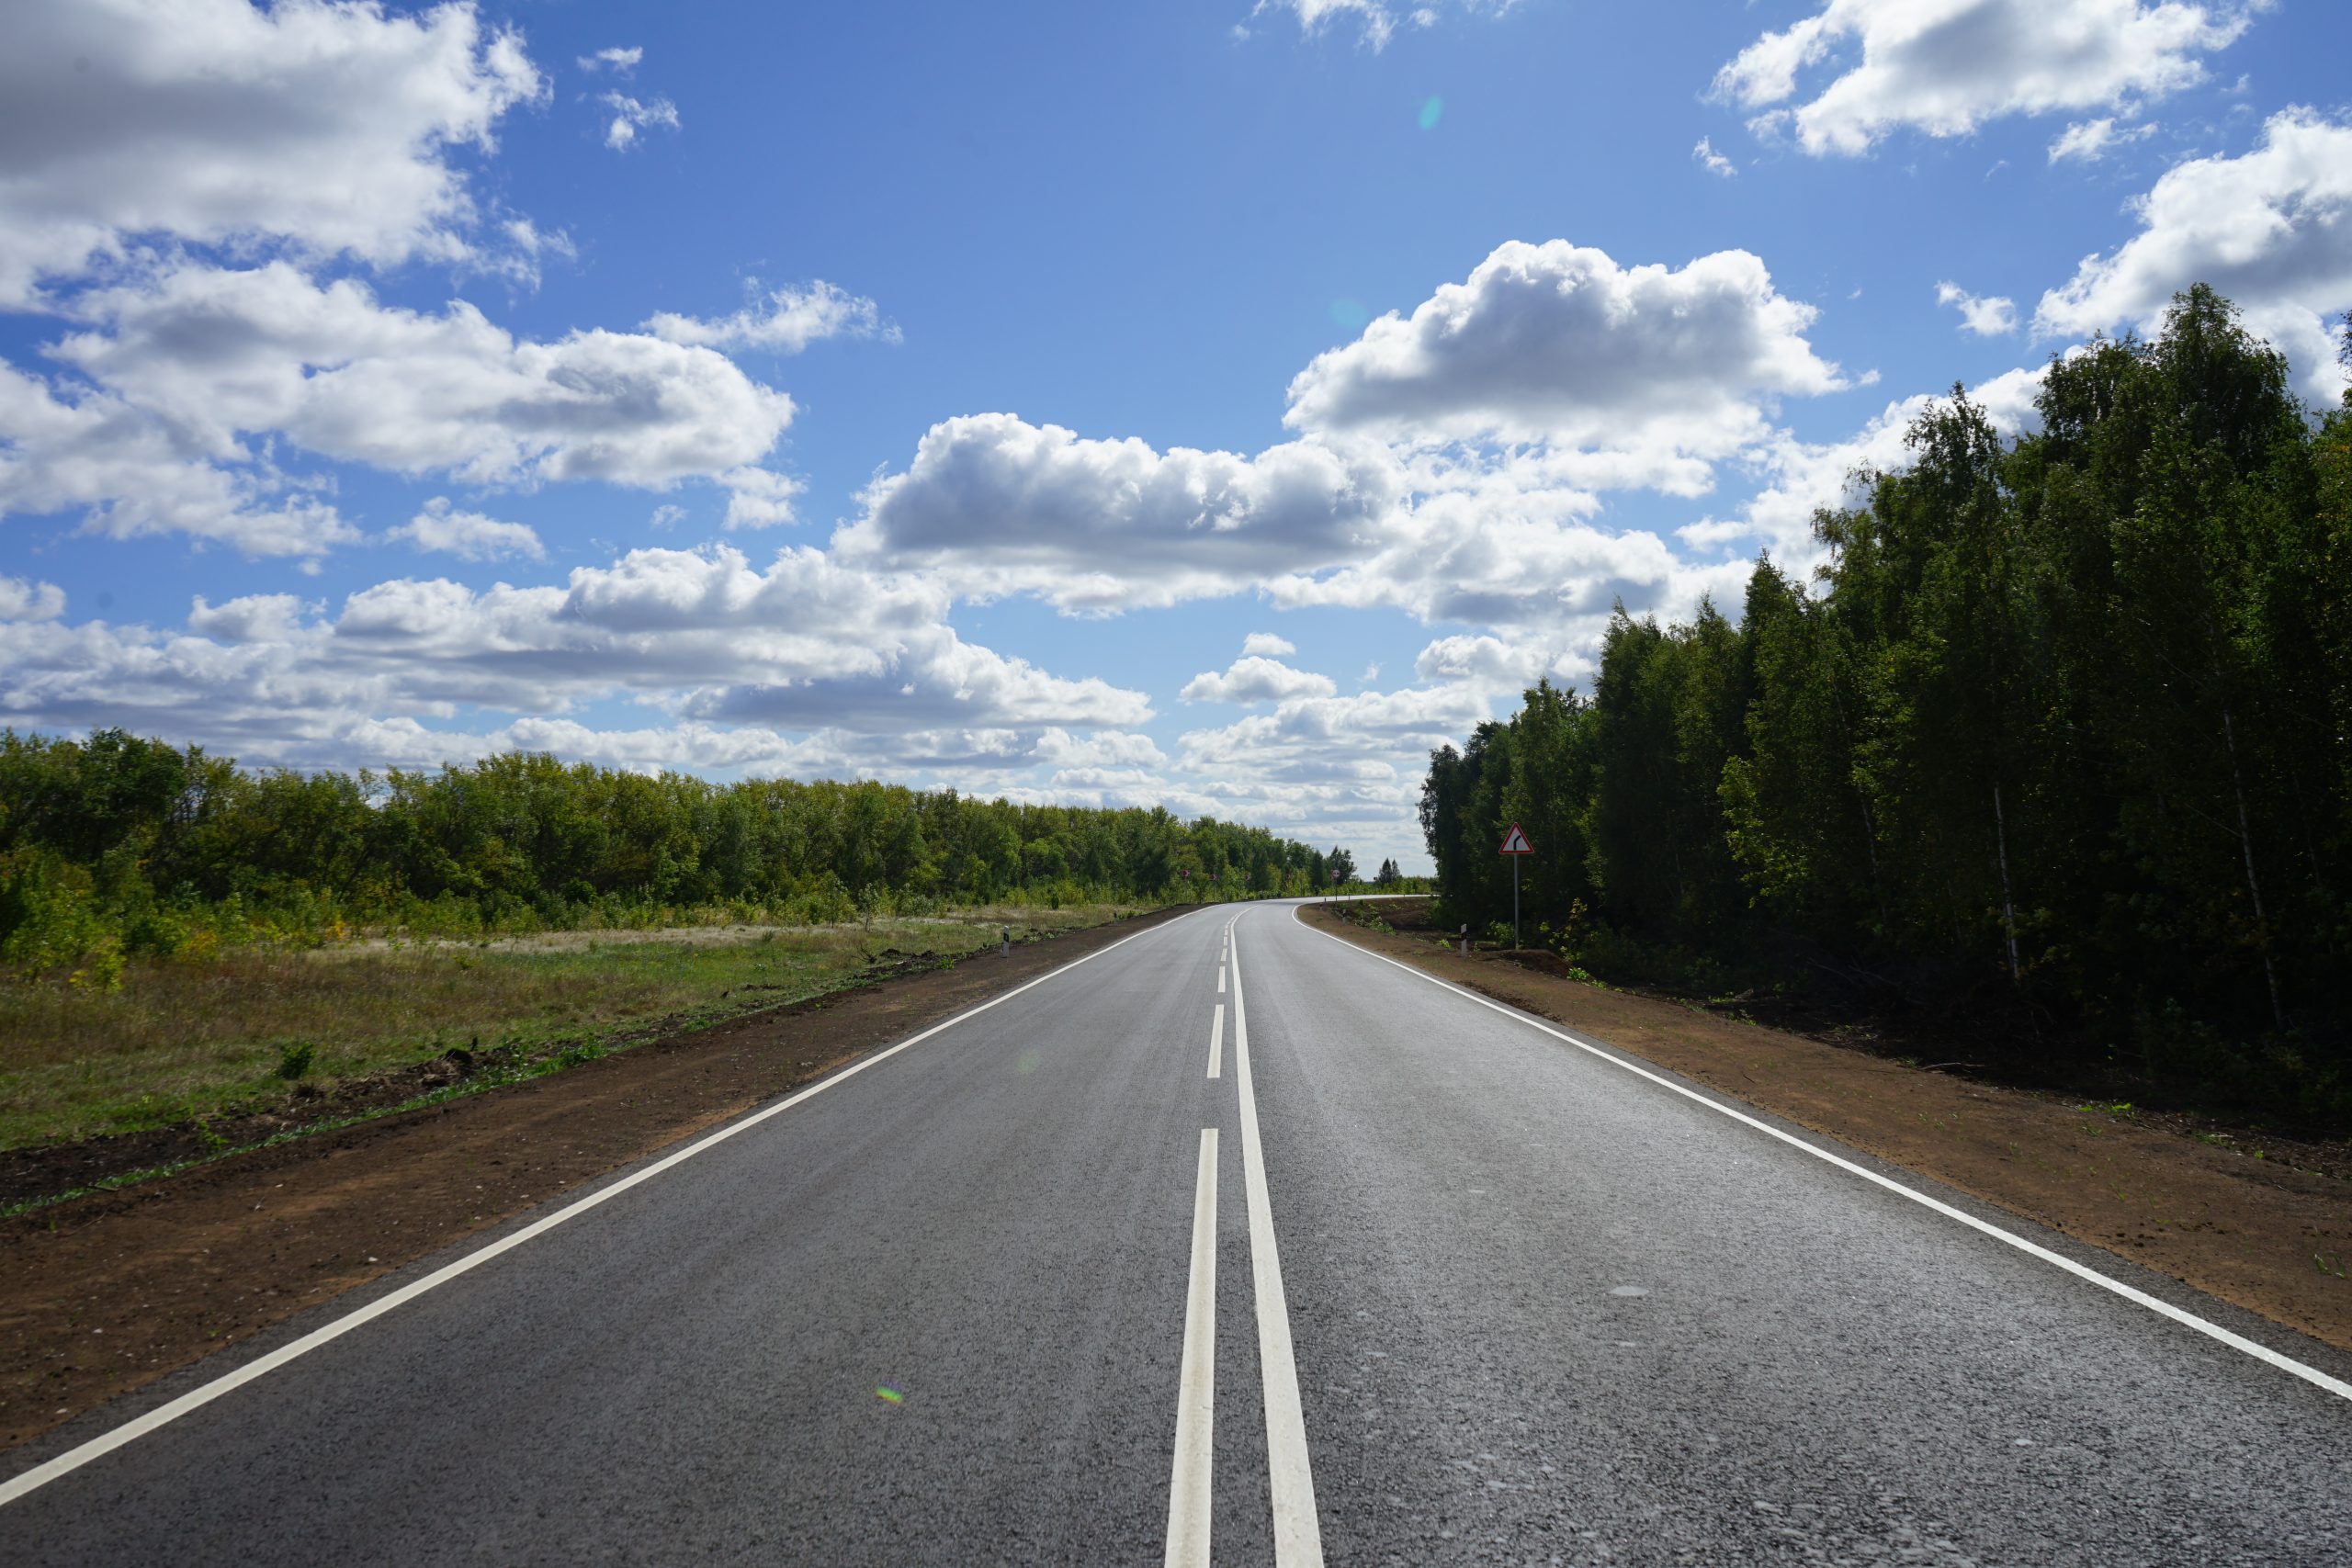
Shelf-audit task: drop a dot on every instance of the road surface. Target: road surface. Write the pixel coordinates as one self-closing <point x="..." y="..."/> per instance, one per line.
<point x="1232" y="1241"/>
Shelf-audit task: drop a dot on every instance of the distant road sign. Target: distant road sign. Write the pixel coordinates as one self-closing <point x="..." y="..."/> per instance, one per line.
<point x="1515" y="842"/>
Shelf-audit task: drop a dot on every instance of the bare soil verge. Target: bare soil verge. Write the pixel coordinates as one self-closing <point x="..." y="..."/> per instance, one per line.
<point x="104" y="1293"/>
<point x="2267" y="1227"/>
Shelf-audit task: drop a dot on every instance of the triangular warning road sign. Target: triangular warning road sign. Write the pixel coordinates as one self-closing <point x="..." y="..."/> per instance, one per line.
<point x="1515" y="842"/>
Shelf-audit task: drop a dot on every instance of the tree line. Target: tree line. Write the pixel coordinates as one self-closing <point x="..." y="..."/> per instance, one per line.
<point x="2061" y="740"/>
<point x="116" y="845"/>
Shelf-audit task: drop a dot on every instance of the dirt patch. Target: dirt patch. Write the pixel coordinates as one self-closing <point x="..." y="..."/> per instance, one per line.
<point x="104" y="1293"/>
<point x="2264" y="1225"/>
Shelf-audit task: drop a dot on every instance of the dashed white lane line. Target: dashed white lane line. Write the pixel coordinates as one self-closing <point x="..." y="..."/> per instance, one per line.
<point x="74" y="1458"/>
<point x="1298" y="1536"/>
<point x="1216" y="1042"/>
<point x="1188" y="1482"/>
<point x="1220" y="979"/>
<point x="2260" y="1352"/>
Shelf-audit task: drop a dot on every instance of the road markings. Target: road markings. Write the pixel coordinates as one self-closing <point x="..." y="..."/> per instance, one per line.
<point x="1298" y="1536"/>
<point x="1216" y="1042"/>
<point x="1188" y="1483"/>
<point x="1220" y="979"/>
<point x="2260" y="1352"/>
<point x="74" y="1458"/>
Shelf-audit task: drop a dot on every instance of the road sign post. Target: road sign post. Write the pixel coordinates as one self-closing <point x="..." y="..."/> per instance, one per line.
<point x="1516" y="846"/>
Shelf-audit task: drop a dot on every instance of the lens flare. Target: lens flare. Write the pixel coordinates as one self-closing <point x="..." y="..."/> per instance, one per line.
<point x="1431" y="112"/>
<point x="892" y="1394"/>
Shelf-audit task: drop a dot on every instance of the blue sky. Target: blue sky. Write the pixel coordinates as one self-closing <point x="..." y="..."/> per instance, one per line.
<point x="1169" y="403"/>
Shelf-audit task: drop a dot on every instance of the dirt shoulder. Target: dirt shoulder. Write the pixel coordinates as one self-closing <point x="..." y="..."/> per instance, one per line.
<point x="2272" y="1239"/>
<point x="104" y="1293"/>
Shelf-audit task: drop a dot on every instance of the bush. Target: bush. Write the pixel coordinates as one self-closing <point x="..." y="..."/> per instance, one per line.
<point x="49" y="915"/>
<point x="101" y="967"/>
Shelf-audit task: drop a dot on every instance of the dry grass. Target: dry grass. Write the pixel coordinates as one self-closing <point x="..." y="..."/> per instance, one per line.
<point x="181" y="1040"/>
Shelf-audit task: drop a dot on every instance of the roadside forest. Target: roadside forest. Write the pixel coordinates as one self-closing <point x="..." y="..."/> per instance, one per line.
<point x="2055" y="755"/>
<point x="116" y="846"/>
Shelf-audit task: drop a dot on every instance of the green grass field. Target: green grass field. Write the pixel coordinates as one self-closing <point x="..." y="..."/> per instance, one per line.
<point x="182" y="1040"/>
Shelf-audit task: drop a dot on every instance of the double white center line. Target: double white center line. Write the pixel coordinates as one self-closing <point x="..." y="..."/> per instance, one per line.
<point x="1298" y="1540"/>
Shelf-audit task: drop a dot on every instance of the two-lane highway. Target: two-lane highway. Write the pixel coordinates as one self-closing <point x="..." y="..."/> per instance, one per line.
<point x="1231" y="1239"/>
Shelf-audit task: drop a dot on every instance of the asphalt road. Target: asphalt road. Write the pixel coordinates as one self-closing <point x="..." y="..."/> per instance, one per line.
<point x="997" y="1298"/>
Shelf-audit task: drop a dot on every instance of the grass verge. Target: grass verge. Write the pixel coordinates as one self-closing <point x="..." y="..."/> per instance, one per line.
<point x="261" y="1032"/>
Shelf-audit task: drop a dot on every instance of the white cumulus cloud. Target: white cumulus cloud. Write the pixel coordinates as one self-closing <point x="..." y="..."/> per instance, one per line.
<point x="1986" y="316"/>
<point x="1660" y="368"/>
<point x="23" y="601"/>
<point x="2271" y="228"/>
<point x="195" y="380"/>
<point x="1945" y="67"/>
<point x="758" y="497"/>
<point x="1800" y="478"/>
<point x="128" y="474"/>
<point x="1253" y="679"/>
<point x="802" y="645"/>
<point x="322" y="126"/>
<point x="1331" y="765"/>
<point x="1490" y="663"/>
<point x="998" y="506"/>
<point x="1267" y="644"/>
<point x="1449" y="462"/>
<point x="1711" y="161"/>
<point x="468" y="535"/>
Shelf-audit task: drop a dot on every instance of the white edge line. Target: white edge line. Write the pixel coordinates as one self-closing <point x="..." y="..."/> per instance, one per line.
<point x="1298" y="1533"/>
<point x="1188" y="1480"/>
<point x="2260" y="1352"/>
<point x="1216" y="1042"/>
<point x="105" y="1443"/>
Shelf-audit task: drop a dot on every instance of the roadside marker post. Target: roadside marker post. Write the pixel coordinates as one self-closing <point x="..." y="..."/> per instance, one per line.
<point x="1516" y="846"/>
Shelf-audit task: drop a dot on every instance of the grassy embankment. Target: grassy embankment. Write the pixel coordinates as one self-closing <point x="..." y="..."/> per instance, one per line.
<point x="260" y="1031"/>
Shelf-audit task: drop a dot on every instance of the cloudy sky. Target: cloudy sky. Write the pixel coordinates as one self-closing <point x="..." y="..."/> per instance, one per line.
<point x="1181" y="402"/>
